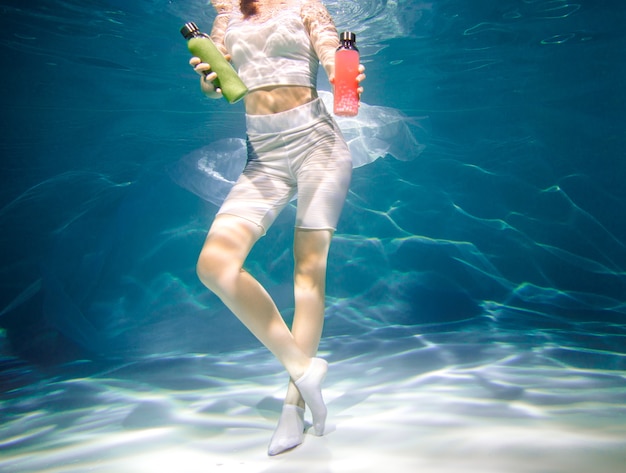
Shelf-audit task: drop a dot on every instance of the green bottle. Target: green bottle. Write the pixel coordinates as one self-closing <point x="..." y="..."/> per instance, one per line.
<point x="202" y="46"/>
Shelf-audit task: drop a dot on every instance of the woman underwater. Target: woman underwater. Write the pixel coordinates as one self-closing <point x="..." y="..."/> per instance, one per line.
<point x="294" y="146"/>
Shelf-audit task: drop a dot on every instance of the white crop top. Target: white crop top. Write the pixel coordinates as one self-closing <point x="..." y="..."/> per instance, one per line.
<point x="283" y="47"/>
<point x="274" y="52"/>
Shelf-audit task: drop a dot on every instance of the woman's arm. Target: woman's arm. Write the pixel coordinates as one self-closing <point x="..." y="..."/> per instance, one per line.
<point x="322" y="32"/>
<point x="223" y="8"/>
<point x="324" y="38"/>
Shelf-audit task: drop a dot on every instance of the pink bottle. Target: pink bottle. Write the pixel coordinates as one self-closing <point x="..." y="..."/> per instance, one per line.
<point x="346" y="102"/>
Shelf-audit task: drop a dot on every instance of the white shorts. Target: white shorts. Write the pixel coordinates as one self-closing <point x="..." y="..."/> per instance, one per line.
<point x="300" y="151"/>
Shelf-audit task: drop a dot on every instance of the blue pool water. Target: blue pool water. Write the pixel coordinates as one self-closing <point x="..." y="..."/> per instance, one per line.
<point x="476" y="313"/>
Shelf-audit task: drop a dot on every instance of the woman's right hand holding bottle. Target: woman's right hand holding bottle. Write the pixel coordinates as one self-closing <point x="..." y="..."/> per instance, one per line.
<point x="207" y="78"/>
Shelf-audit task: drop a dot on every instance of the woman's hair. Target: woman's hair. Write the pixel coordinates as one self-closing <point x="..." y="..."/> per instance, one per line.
<point x="248" y="7"/>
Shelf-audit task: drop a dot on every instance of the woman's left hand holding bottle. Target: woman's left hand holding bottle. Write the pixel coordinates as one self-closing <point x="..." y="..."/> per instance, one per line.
<point x="207" y="77"/>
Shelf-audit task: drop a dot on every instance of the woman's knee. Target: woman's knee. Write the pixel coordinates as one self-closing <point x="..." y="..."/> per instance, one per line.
<point x="310" y="271"/>
<point x="311" y="254"/>
<point x="219" y="262"/>
<point x="211" y="265"/>
<point x="225" y="250"/>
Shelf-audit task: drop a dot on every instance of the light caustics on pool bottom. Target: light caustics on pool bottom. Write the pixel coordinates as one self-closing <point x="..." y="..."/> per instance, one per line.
<point x="505" y="235"/>
<point x="453" y="397"/>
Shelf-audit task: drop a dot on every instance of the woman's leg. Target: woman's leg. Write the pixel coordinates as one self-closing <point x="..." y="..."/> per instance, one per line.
<point x="220" y="268"/>
<point x="310" y="254"/>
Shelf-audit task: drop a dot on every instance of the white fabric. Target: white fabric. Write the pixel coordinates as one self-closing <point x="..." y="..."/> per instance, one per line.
<point x="297" y="152"/>
<point x="274" y="52"/>
<point x="375" y="132"/>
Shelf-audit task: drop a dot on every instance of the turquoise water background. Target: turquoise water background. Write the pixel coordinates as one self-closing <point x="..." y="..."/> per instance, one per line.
<point x="489" y="270"/>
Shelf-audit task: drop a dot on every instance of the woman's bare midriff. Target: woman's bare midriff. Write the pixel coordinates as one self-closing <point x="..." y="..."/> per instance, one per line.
<point x="277" y="99"/>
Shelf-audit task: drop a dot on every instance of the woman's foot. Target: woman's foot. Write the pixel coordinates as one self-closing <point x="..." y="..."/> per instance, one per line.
<point x="289" y="432"/>
<point x="310" y="387"/>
